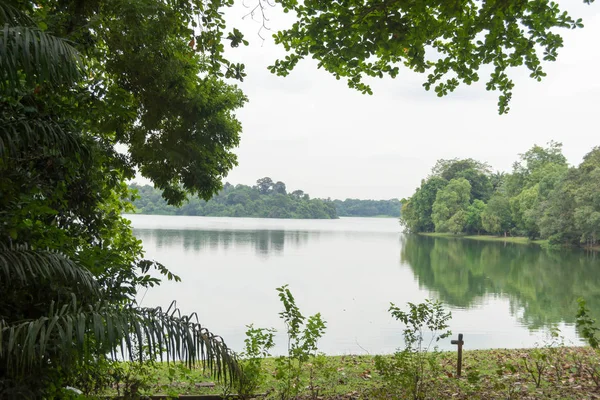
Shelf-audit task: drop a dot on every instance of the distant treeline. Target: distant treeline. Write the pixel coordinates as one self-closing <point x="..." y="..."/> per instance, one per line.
<point x="267" y="199"/>
<point x="367" y="208"/>
<point x="541" y="198"/>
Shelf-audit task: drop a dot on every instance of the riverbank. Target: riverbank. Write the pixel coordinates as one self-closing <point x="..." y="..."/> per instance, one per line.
<point x="548" y="372"/>
<point x="487" y="238"/>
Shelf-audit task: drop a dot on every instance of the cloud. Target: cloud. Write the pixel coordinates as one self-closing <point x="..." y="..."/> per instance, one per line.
<point x="314" y="133"/>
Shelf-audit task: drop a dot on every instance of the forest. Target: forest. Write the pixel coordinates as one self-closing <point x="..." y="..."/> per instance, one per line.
<point x="266" y="199"/>
<point x="542" y="197"/>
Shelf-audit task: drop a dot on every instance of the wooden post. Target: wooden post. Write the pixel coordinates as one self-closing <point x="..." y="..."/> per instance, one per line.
<point x="460" y="343"/>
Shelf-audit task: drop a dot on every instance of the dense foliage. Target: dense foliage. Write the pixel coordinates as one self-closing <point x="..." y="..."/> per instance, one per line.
<point x="267" y="199"/>
<point x="542" y="198"/>
<point x="76" y="80"/>
<point x="452" y="41"/>
<point x="367" y="208"/>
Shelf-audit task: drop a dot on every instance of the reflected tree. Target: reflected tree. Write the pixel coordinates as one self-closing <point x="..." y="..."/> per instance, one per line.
<point x="266" y="243"/>
<point x="543" y="284"/>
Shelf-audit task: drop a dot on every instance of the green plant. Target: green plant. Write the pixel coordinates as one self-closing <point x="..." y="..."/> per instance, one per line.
<point x="555" y="351"/>
<point x="589" y="331"/>
<point x="322" y="376"/>
<point x="68" y="296"/>
<point x="587" y="325"/>
<point x="302" y="337"/>
<point x="412" y="369"/>
<point x="507" y="377"/>
<point x="53" y="345"/>
<point x="135" y="380"/>
<point x="258" y="342"/>
<point x="536" y="364"/>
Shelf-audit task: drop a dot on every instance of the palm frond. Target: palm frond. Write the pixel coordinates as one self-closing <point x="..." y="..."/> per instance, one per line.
<point x="61" y="333"/>
<point x="20" y="265"/>
<point x="28" y="55"/>
<point x="183" y="338"/>
<point x="66" y="328"/>
<point x="12" y="16"/>
<point x="22" y="132"/>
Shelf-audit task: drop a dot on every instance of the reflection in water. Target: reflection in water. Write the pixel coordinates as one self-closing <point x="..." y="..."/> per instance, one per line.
<point x="349" y="270"/>
<point x="542" y="286"/>
<point x="265" y="242"/>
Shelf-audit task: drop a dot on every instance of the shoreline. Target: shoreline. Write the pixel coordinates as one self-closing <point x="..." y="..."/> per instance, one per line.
<point x="230" y="216"/>
<point x="488" y="238"/>
<point x="486" y="374"/>
<point x="507" y="239"/>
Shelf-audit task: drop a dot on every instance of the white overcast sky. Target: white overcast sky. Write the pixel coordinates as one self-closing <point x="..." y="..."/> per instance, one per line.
<point x="316" y="134"/>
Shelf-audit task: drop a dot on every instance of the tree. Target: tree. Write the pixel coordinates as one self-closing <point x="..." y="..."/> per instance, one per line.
<point x="279" y="187"/>
<point x="240" y="201"/>
<point x="571" y="213"/>
<point x="541" y="198"/>
<point x="298" y="193"/>
<point x="537" y="157"/>
<point x="77" y="79"/>
<point x="534" y="176"/>
<point x="453" y="168"/>
<point x="496" y="217"/>
<point x="367" y="208"/>
<point x="475" y="172"/>
<point x="449" y="208"/>
<point x="415" y="214"/>
<point x="537" y="163"/>
<point x="497" y="180"/>
<point x="451" y="41"/>
<point x="155" y="86"/>
<point x="456" y="223"/>
<point x="473" y="219"/>
<point x="408" y="215"/>
<point x="264" y="185"/>
<point x="524" y="211"/>
<point x="587" y="214"/>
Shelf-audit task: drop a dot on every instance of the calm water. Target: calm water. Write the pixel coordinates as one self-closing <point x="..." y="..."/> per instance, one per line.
<point x="500" y="295"/>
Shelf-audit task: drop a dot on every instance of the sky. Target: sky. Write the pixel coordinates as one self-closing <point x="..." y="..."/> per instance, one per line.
<point x="314" y="133"/>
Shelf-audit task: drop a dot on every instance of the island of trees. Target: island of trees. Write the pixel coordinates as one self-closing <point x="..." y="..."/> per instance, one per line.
<point x="541" y="198"/>
<point x="266" y="199"/>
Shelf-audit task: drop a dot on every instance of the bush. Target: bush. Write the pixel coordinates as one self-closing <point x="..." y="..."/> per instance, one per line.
<point x="302" y="345"/>
<point x="412" y="369"/>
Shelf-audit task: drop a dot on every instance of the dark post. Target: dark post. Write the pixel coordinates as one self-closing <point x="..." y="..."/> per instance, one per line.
<point x="460" y="343"/>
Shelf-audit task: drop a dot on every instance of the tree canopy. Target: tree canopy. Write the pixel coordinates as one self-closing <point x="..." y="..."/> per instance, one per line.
<point x="452" y="41"/>
<point x="542" y="198"/>
<point x="78" y="79"/>
<point x="367" y="208"/>
<point x="267" y="199"/>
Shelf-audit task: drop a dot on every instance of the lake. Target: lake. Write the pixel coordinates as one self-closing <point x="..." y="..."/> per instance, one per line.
<point x="501" y="295"/>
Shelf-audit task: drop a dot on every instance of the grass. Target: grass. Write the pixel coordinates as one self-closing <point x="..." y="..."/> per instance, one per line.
<point x="487" y="374"/>
<point x="488" y="238"/>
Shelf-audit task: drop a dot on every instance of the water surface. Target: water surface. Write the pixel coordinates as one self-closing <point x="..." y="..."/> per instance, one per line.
<point x="349" y="270"/>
